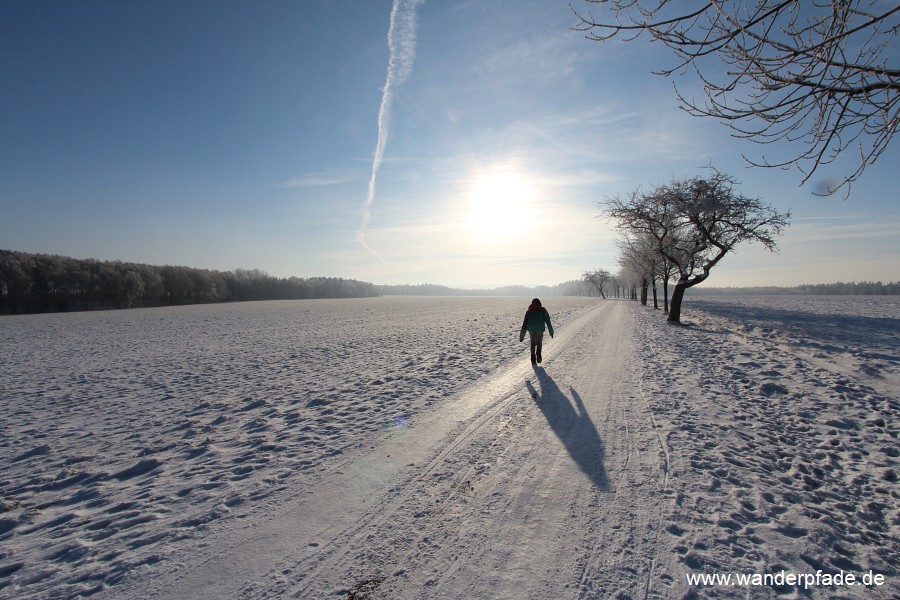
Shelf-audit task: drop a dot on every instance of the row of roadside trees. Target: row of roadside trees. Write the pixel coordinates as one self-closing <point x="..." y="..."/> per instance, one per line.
<point x="621" y="284"/>
<point x="627" y="283"/>
<point x="49" y="283"/>
<point x="680" y="231"/>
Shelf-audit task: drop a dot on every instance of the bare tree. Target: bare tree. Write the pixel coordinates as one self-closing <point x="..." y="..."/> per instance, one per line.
<point x="624" y="285"/>
<point x="654" y="224"/>
<point x="695" y="223"/>
<point x="638" y="255"/>
<point x="668" y="273"/>
<point x="814" y="72"/>
<point x="631" y="280"/>
<point x="597" y="278"/>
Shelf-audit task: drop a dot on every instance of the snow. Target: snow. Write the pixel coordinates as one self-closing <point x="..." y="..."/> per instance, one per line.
<point x="782" y="414"/>
<point x="405" y="448"/>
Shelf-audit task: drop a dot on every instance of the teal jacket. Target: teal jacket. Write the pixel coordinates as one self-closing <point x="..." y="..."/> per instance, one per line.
<point x="535" y="319"/>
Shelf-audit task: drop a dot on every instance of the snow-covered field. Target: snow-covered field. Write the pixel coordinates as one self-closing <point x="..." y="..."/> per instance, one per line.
<point x="127" y="433"/>
<point x="405" y="448"/>
<point x="783" y="416"/>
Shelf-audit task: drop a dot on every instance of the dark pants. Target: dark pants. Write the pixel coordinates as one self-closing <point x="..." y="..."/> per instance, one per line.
<point x="537" y="340"/>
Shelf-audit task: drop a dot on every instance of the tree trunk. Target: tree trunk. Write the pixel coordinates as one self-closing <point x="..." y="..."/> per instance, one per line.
<point x="677" y="297"/>
<point x="600" y="290"/>
<point x="666" y="294"/>
<point x="655" y="298"/>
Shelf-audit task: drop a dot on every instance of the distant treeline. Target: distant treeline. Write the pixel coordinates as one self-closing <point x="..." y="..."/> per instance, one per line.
<point x="862" y="288"/>
<point x="581" y="288"/>
<point x="569" y="288"/>
<point x="32" y="283"/>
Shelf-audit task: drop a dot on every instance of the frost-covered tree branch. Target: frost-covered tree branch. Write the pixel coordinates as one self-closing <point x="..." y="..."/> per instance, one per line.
<point x="814" y="73"/>
<point x="691" y="224"/>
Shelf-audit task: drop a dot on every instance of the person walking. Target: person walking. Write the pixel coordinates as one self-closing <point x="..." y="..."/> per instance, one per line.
<point x="535" y="318"/>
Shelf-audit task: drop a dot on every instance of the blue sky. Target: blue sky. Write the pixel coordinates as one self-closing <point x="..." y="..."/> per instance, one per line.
<point x="221" y="134"/>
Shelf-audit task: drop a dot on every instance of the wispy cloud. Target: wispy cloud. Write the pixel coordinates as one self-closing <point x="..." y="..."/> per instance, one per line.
<point x="607" y="135"/>
<point x="402" y="54"/>
<point x="810" y="232"/>
<point x="320" y="179"/>
<point x="540" y="59"/>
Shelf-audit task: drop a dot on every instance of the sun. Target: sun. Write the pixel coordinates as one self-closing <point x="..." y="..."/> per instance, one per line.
<point x="500" y="205"/>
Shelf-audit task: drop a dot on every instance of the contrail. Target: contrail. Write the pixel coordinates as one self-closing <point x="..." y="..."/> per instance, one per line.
<point x="401" y="54"/>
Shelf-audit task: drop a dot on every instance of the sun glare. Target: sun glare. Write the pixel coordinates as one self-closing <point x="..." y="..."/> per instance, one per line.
<point x="501" y="205"/>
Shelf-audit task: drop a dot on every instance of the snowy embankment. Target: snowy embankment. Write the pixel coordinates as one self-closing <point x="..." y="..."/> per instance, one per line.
<point x="126" y="434"/>
<point x="781" y="416"/>
<point x="405" y="448"/>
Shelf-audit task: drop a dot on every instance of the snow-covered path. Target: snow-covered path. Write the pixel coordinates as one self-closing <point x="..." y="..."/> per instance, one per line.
<point x="539" y="482"/>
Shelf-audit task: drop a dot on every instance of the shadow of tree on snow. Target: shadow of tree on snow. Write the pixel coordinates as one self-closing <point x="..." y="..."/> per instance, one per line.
<point x="572" y="425"/>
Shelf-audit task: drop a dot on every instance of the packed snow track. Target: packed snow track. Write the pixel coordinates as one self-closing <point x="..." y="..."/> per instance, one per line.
<point x="535" y="482"/>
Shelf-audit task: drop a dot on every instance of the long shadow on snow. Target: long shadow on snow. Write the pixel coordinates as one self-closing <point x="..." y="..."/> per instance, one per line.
<point x="824" y="331"/>
<point x="573" y="426"/>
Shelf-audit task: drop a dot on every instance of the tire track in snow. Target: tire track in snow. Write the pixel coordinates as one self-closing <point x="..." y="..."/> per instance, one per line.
<point x="663" y="446"/>
<point x="481" y="405"/>
<point x="358" y="534"/>
<point x="548" y="486"/>
<point x="621" y="558"/>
